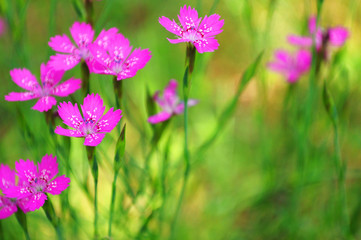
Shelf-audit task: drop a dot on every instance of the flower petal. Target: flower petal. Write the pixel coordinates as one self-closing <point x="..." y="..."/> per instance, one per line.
<point x="48" y="167"/>
<point x="18" y="192"/>
<point x="211" y="25"/>
<point x="312" y="24"/>
<point x="303" y="61"/>
<point x="70" y="114"/>
<point x="36" y="201"/>
<point x="206" y="45"/>
<point x="26" y="171"/>
<point x="7" y="177"/>
<point x="82" y="33"/>
<point x="50" y="77"/>
<point x="94" y="139"/>
<point x="137" y="60"/>
<point x="67" y="132"/>
<point x="58" y="185"/>
<point x="160" y="117"/>
<point x="180" y="107"/>
<point x="44" y="104"/>
<point x="300" y="41"/>
<point x="188" y="17"/>
<point x="93" y="107"/>
<point x="109" y="121"/>
<point x="61" y="44"/>
<point x="171" y="26"/>
<point x="20" y="96"/>
<point x="7" y="208"/>
<point x="104" y="37"/>
<point x="64" y="61"/>
<point x="66" y="88"/>
<point x="338" y="36"/>
<point x="119" y="48"/>
<point x="178" y="40"/>
<point x="24" y="79"/>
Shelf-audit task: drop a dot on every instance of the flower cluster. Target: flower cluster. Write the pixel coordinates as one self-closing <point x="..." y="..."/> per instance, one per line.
<point x="34" y="182"/>
<point x="293" y="66"/>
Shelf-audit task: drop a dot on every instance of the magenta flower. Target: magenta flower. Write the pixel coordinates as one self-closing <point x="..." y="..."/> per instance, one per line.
<point x="71" y="54"/>
<point x="291" y="66"/>
<point x="335" y="36"/>
<point x="35" y="183"/>
<point x="49" y="87"/>
<point x="93" y="126"/>
<point x="170" y="103"/>
<point x="8" y="206"/>
<point x="115" y="59"/>
<point x="200" y="33"/>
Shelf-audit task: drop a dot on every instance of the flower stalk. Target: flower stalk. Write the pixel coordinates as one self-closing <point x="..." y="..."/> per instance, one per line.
<point x="118" y="160"/>
<point x="118" y="91"/>
<point x="21" y="217"/>
<point x="53" y="219"/>
<point x="95" y="172"/>
<point x="85" y="74"/>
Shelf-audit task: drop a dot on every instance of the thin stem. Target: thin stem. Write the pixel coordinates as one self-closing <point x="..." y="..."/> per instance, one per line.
<point x="118" y="92"/>
<point x="89" y="12"/>
<point x="94" y="170"/>
<point x="53" y="219"/>
<point x="190" y="59"/>
<point x="112" y="203"/>
<point x="21" y="217"/>
<point x="85" y="78"/>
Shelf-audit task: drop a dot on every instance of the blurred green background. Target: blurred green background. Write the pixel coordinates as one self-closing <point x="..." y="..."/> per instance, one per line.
<point x="269" y="174"/>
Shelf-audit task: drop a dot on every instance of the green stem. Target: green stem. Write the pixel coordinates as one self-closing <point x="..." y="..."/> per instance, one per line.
<point x="53" y="219"/>
<point x="112" y="203"/>
<point x="95" y="172"/>
<point x="21" y="217"/>
<point x="89" y="12"/>
<point x="118" y="91"/>
<point x="190" y="59"/>
<point x="85" y="78"/>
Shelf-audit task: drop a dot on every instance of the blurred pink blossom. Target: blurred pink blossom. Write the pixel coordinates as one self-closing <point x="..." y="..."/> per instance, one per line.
<point x="170" y="103"/>
<point x="200" y="33"/>
<point x="292" y="66"/>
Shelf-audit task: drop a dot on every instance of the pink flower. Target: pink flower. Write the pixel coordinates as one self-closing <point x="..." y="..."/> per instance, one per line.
<point x="71" y="54"/>
<point x="8" y="206"/>
<point x="93" y="125"/>
<point x="49" y="87"/>
<point x="116" y="59"/>
<point x="170" y="103"/>
<point x="335" y="36"/>
<point x="200" y="33"/>
<point x="35" y="183"/>
<point x="291" y="66"/>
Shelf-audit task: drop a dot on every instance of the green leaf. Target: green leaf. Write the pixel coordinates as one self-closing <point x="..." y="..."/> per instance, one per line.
<point x="330" y="105"/>
<point x="120" y="150"/>
<point x="231" y="106"/>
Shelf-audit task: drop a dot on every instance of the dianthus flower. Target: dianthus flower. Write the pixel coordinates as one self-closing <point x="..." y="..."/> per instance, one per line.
<point x="71" y="54"/>
<point x="292" y="66"/>
<point x="200" y="33"/>
<point x="8" y="206"/>
<point x="93" y="125"/>
<point x="335" y="36"/>
<point x="35" y="183"/>
<point x="170" y="103"/>
<point x="117" y="60"/>
<point x="45" y="91"/>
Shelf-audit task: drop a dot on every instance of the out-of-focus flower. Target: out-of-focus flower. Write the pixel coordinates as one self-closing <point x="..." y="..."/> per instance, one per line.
<point x="335" y="36"/>
<point x="93" y="125"/>
<point x="71" y="54"/>
<point x="200" y="33"/>
<point x="116" y="58"/>
<point x="45" y="91"/>
<point x="292" y="66"/>
<point x="35" y="183"/>
<point x="2" y="26"/>
<point x="8" y="206"/>
<point x="170" y="103"/>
